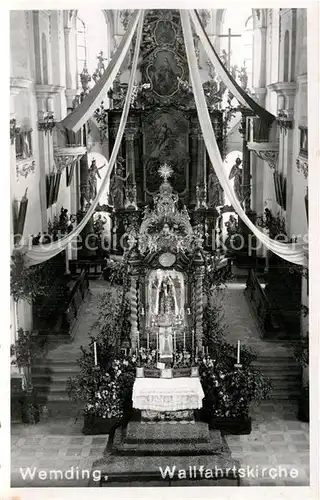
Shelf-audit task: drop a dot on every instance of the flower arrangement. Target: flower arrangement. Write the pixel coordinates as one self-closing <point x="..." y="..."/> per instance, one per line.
<point x="229" y="389"/>
<point x="109" y="400"/>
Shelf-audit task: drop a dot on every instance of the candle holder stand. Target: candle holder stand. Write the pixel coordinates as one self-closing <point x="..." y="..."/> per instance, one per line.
<point x="238" y="365"/>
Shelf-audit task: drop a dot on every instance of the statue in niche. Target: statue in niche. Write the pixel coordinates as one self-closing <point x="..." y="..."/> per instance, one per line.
<point x="117" y="185"/>
<point x="236" y="174"/>
<point x="215" y="191"/>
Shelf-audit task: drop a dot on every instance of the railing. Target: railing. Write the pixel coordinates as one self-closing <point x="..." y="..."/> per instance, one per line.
<point x="257" y="130"/>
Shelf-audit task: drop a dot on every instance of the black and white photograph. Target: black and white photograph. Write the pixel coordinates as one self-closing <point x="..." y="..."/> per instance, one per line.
<point x="159" y="249"/>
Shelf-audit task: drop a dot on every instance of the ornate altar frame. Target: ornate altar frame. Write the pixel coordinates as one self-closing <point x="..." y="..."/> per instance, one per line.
<point x="174" y="249"/>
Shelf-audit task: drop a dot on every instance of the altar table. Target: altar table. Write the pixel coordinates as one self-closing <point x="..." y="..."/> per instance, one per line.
<point x="173" y="394"/>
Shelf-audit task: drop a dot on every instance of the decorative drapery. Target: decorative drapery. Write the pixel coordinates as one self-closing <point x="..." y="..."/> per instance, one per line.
<point x="85" y="110"/>
<point x="243" y="98"/>
<point x="295" y="253"/>
<point x="40" y="254"/>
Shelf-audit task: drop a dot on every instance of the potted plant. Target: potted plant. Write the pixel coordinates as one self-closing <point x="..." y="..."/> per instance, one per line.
<point x="229" y="389"/>
<point x="106" y="391"/>
<point x="24" y="352"/>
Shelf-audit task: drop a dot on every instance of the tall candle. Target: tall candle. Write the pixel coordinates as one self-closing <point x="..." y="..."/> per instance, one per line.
<point x="238" y="353"/>
<point x="147" y="339"/>
<point x="95" y="353"/>
<point x="184" y="340"/>
<point x="157" y="335"/>
<point x="192" y="339"/>
<point x="174" y="341"/>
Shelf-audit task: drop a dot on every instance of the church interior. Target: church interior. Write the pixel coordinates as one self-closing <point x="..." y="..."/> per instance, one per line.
<point x="159" y="243"/>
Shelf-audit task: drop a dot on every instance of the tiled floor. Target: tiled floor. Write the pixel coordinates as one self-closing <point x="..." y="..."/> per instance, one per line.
<point x="278" y="441"/>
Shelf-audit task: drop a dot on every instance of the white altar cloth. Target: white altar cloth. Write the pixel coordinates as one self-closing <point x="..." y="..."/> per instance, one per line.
<point x="173" y="394"/>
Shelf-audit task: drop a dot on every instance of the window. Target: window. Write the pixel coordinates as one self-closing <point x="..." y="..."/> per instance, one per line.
<point x="239" y="40"/>
<point x="303" y="141"/>
<point x="92" y="38"/>
<point x="81" y="47"/>
<point x="286" y="56"/>
<point x="24" y="145"/>
<point x="44" y="59"/>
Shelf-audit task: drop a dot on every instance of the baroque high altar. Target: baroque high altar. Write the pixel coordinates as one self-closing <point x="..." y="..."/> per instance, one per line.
<point x="163" y="127"/>
<point x="166" y="264"/>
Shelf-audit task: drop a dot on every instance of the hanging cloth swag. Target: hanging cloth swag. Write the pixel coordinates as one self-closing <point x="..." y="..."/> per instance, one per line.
<point x="45" y="252"/>
<point x="295" y="253"/>
<point x="243" y="98"/>
<point x="85" y="110"/>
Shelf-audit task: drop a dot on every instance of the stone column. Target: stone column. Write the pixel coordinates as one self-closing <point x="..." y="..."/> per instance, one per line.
<point x="201" y="172"/>
<point x="246" y="168"/>
<point x="71" y="90"/>
<point x="134" y="313"/>
<point x="88" y="229"/>
<point x="199" y="308"/>
<point x="193" y="166"/>
<point x="131" y="190"/>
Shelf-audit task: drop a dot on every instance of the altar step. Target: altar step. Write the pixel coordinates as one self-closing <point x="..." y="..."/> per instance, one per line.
<point x="167" y="454"/>
<point x="161" y="445"/>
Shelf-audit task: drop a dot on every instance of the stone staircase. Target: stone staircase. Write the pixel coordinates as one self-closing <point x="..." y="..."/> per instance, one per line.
<point x="49" y="381"/>
<point x="284" y="373"/>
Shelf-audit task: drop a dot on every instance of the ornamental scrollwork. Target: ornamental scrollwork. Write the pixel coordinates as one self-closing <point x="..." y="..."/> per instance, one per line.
<point x="270" y="156"/>
<point x="302" y="166"/>
<point x="25" y="167"/>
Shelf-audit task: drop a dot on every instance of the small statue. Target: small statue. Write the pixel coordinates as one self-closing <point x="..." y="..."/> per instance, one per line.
<point x="215" y="191"/>
<point x="92" y="180"/>
<point x="99" y="224"/>
<point x="117" y="185"/>
<point x="236" y="174"/>
<point x="232" y="225"/>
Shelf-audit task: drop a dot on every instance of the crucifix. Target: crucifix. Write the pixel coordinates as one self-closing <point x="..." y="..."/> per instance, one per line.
<point x="229" y="36"/>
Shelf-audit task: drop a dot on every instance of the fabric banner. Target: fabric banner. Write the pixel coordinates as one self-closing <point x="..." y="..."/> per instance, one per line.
<point x="45" y="252"/>
<point x="85" y="110"/>
<point x="294" y="253"/>
<point x="243" y="98"/>
<point x="167" y="394"/>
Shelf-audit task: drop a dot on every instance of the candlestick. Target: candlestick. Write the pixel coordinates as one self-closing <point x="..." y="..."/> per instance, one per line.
<point x="238" y="353"/>
<point x="95" y="353"/>
<point x="184" y="340"/>
<point x="174" y="341"/>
